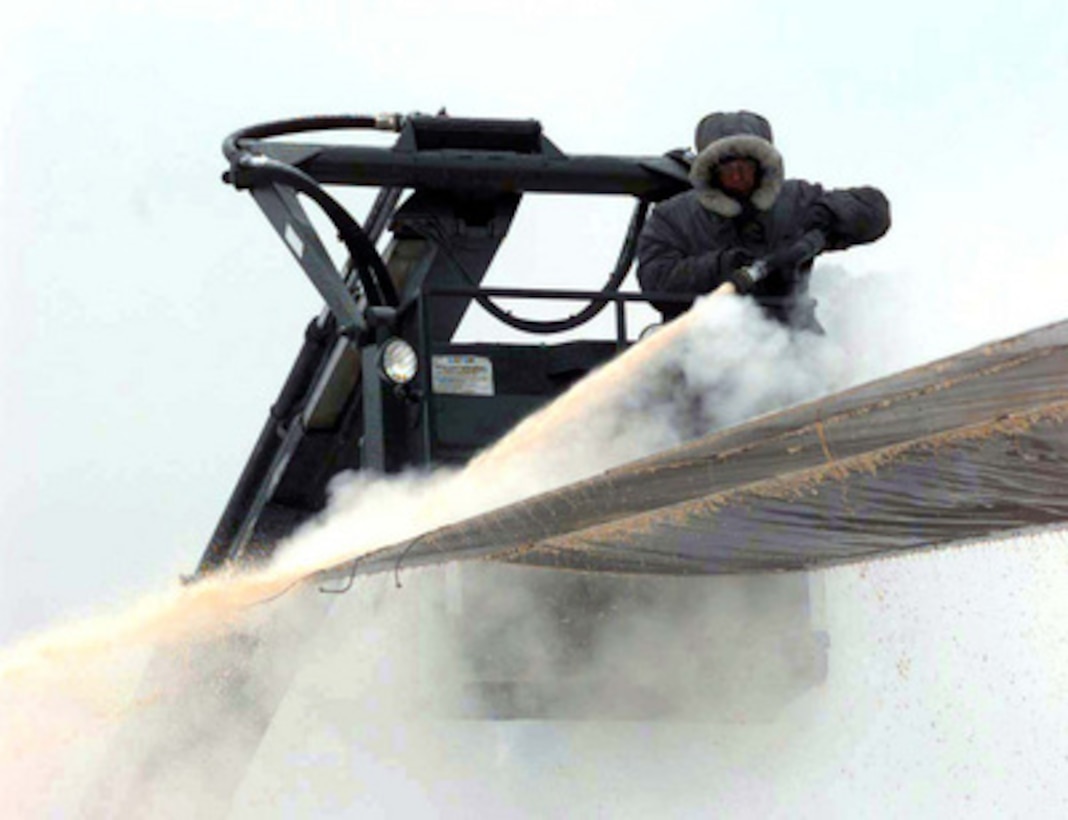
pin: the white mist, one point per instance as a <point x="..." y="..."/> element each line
<point x="941" y="695"/>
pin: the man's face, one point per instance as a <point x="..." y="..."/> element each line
<point x="737" y="177"/>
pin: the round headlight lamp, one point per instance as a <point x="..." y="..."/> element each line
<point x="398" y="361"/>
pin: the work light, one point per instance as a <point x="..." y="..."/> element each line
<point x="398" y="361"/>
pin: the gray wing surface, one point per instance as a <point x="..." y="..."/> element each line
<point x="964" y="447"/>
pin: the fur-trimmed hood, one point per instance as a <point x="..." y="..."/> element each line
<point x="733" y="135"/>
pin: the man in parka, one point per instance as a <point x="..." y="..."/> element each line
<point x="744" y="223"/>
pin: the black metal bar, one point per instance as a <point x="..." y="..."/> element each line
<point x="529" y="293"/>
<point x="584" y="295"/>
<point x="256" y="172"/>
<point x="381" y="212"/>
<point x="290" y="441"/>
<point x="373" y="447"/>
<point x="651" y="178"/>
<point x="595" y="306"/>
<point x="283" y="411"/>
<point x="288" y="218"/>
<point x="429" y="409"/>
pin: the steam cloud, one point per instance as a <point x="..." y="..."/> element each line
<point x="719" y="364"/>
<point x="224" y="699"/>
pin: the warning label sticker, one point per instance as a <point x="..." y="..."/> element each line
<point x="462" y="375"/>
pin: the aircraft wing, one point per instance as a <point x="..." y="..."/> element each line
<point x="965" y="447"/>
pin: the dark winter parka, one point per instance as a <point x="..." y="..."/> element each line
<point x="691" y="243"/>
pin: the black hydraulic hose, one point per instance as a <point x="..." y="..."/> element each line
<point x="547" y="326"/>
<point x="278" y="128"/>
<point x="386" y="201"/>
<point x="382" y="211"/>
<point x="250" y="170"/>
<point x="626" y="257"/>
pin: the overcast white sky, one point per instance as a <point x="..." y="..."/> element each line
<point x="148" y="314"/>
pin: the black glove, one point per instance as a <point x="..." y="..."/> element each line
<point x="733" y="266"/>
<point x="744" y="278"/>
<point x="732" y="259"/>
<point x="786" y="260"/>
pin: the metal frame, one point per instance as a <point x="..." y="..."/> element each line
<point x="457" y="169"/>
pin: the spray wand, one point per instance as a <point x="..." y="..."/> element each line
<point x="805" y="249"/>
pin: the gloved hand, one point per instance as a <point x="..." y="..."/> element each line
<point x="732" y="259"/>
<point x="746" y="277"/>
<point x="785" y="261"/>
<point x="734" y="264"/>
